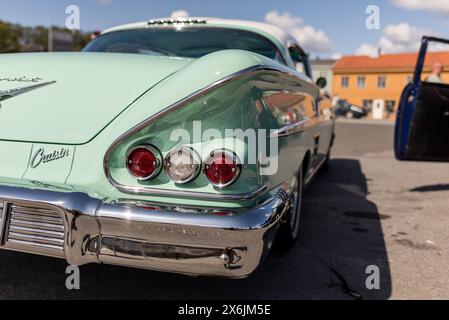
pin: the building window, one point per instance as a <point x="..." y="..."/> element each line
<point x="390" y="105"/>
<point x="381" y="82"/>
<point x="368" y="104"/>
<point x="344" y="82"/>
<point x="361" y="82"/>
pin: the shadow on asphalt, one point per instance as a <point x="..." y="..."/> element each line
<point x="432" y="188"/>
<point x="341" y="235"/>
<point x="343" y="230"/>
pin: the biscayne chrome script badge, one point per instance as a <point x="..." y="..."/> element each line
<point x="8" y="94"/>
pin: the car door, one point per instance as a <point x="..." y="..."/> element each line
<point x="321" y="114"/>
<point x="422" y="125"/>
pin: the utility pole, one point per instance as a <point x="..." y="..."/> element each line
<point x="50" y="38"/>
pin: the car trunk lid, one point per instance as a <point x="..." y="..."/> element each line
<point x="68" y="98"/>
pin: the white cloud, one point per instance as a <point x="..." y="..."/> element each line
<point x="439" y="6"/>
<point x="401" y="37"/>
<point x="312" y="39"/>
<point x="308" y="37"/>
<point x="438" y="46"/>
<point x="284" y="21"/>
<point x="179" y="14"/>
<point x="336" y="56"/>
<point x="367" y="50"/>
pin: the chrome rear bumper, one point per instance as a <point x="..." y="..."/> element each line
<point x="189" y="241"/>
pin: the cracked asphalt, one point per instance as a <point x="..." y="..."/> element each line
<point x="368" y="209"/>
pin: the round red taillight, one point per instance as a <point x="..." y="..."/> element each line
<point x="222" y="168"/>
<point x="144" y="162"/>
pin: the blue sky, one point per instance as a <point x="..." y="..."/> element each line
<point x="337" y="26"/>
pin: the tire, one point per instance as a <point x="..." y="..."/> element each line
<point x="325" y="166"/>
<point x="288" y="233"/>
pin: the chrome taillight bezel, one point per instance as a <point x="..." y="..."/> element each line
<point x="236" y="160"/>
<point x="156" y="153"/>
<point x="196" y="162"/>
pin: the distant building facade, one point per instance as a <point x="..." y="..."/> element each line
<point x="60" y="40"/>
<point x="361" y="80"/>
<point x="322" y="68"/>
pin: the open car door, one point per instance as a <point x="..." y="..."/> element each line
<point x="422" y="125"/>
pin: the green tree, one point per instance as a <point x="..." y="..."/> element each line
<point x="81" y="40"/>
<point x="9" y="37"/>
<point x="39" y="38"/>
<point x="16" y="38"/>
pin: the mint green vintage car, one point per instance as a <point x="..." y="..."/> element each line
<point x="174" y="145"/>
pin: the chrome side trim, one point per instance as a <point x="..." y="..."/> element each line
<point x="290" y="129"/>
<point x="3" y="217"/>
<point x="11" y="93"/>
<point x="192" y="194"/>
<point x="175" y="107"/>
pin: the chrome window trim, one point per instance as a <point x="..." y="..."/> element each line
<point x="146" y="191"/>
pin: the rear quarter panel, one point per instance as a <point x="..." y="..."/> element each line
<point x="87" y="172"/>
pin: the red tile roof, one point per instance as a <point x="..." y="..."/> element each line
<point x="389" y="61"/>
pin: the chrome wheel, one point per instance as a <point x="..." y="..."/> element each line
<point x="295" y="210"/>
<point x="289" y="231"/>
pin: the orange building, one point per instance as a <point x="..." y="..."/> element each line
<point x="362" y="79"/>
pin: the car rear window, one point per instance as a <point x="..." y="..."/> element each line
<point x="183" y="42"/>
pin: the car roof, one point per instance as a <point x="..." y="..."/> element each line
<point x="282" y="37"/>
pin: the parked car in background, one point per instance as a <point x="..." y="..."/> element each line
<point x="422" y="126"/>
<point x="105" y="168"/>
<point x="345" y="109"/>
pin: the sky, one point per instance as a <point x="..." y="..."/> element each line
<point x="326" y="28"/>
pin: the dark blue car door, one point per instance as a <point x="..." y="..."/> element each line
<point x="422" y="125"/>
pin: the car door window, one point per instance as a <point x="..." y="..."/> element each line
<point x="422" y="129"/>
<point x="299" y="59"/>
<point x="436" y="64"/>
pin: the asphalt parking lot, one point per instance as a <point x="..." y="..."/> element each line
<point x="368" y="209"/>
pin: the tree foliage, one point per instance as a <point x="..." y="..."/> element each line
<point x="9" y="37"/>
<point x="16" y="38"/>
